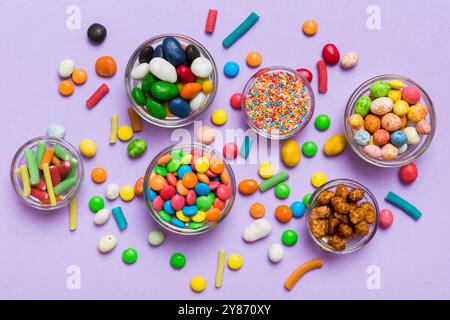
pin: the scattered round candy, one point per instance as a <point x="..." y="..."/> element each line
<point x="282" y="190"/>
<point x="107" y="243"/>
<point x="66" y="67"/>
<point x="178" y="260"/>
<point x="198" y="284"/>
<point x="56" y="130"/>
<point x="79" y="76"/>
<point x="298" y="209"/>
<point x="96" y="32"/>
<point x="306" y="198"/>
<point x="283" y="213"/>
<point x="235" y="261"/>
<point x="129" y="256"/>
<point x="102" y="216"/>
<point x="322" y="122"/>
<point x="125" y="133"/>
<point x="106" y="66"/>
<point x="266" y="170"/>
<point x="254" y="59"/>
<point x="248" y="186"/>
<point x="386" y="218"/>
<point x="318" y="179"/>
<point x="206" y="135"/>
<point x="310" y="27"/>
<point x="126" y="193"/>
<point x="66" y="88"/>
<point x="257" y="210"/>
<point x="96" y="203"/>
<point x="289" y="237"/>
<point x="330" y="54"/>
<point x="155" y="238"/>
<point x="309" y="149"/>
<point x="88" y="148"/>
<point x="276" y="253"/>
<point x="219" y="117"/>
<point x="409" y="173"/>
<point x="207" y="87"/>
<point x="349" y="60"/>
<point x="306" y="73"/>
<point x="112" y="191"/>
<point x="98" y="175"/>
<point x="231" y="69"/>
<point x="236" y="100"/>
<point x="136" y="148"/>
<point x="230" y="150"/>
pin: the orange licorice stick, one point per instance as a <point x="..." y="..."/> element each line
<point x="135" y="120"/>
<point x="46" y="157"/>
<point x="300" y="271"/>
<point x="56" y="161"/>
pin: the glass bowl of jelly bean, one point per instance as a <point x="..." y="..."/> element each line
<point x="389" y="120"/>
<point x="190" y="188"/>
<point x="278" y="102"/>
<point x="171" y="80"/>
<point x="46" y="172"/>
<point x="342" y="216"/>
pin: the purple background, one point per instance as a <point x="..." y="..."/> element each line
<point x="36" y="249"/>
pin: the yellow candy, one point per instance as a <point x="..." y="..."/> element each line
<point x="395" y="95"/>
<point x="290" y="153"/>
<point x="187" y="159"/>
<point x="219" y="117"/>
<point x="207" y="87"/>
<point x="198" y="284"/>
<point x="200" y="216"/>
<point x="417" y="112"/>
<point x="356" y="121"/>
<point x="318" y="179"/>
<point x="235" y="262"/>
<point x="125" y="133"/>
<point x="266" y="170"/>
<point x="201" y="165"/>
<point x="88" y="148"/>
<point x="335" y="145"/>
<point x="401" y="108"/>
<point x="180" y="215"/>
<point x="166" y="105"/>
<point x="201" y="80"/>
<point x="396" y="84"/>
<point x="126" y="193"/>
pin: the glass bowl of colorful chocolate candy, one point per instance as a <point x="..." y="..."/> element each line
<point x="46" y="172"/>
<point x="190" y="188"/>
<point x="342" y="216"/>
<point x="171" y="80"/>
<point x="389" y="120"/>
<point x="277" y="102"/>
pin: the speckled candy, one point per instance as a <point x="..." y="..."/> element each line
<point x="381" y="137"/>
<point x="389" y="151"/>
<point x="401" y="108"/>
<point x="391" y="122"/>
<point x="381" y="106"/>
<point x="379" y="89"/>
<point x="411" y="94"/>
<point x="423" y="126"/>
<point x="372" y="123"/>
<point x="399" y="138"/>
<point x="362" y="106"/>
<point x="417" y="112"/>
<point x="356" y="121"/>
<point x="362" y="137"/>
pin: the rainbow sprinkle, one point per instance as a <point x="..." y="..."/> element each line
<point x="277" y="102"/>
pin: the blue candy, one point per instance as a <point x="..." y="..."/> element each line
<point x="190" y="210"/>
<point x="362" y="137"/>
<point x="183" y="170"/>
<point x="168" y="207"/>
<point x="202" y="189"/>
<point x="120" y="218"/>
<point x="177" y="223"/>
<point x="298" y="209"/>
<point x="179" y="107"/>
<point x="151" y="194"/>
<point x="158" y="53"/>
<point x="231" y="69"/>
<point x="399" y="138"/>
<point x="173" y="51"/>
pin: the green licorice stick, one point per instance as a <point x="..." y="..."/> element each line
<point x="65" y="185"/>
<point x="401" y="203"/>
<point x="273" y="181"/>
<point x="61" y="152"/>
<point x="40" y="149"/>
<point x="72" y="170"/>
<point x="32" y="167"/>
<point x="246" y="25"/>
<point x="246" y="145"/>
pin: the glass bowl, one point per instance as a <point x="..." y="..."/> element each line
<point x="187" y="148"/>
<point x="305" y="118"/>
<point x="413" y="151"/>
<point x="170" y="121"/>
<point x="357" y="242"/>
<point x="19" y="159"/>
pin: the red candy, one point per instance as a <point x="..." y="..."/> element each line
<point x="211" y="21"/>
<point x="158" y="203"/>
<point x="322" y="76"/>
<point x="185" y="74"/>
<point x="306" y="73"/>
<point x="171" y="179"/>
<point x="214" y="184"/>
<point x="177" y="202"/>
<point x="210" y="174"/>
<point x="411" y="94"/>
<point x="191" y="197"/>
<point x="167" y="192"/>
<point x="386" y="218"/>
<point x="220" y="204"/>
<point x="40" y="194"/>
<point x="230" y="150"/>
<point x="223" y="192"/>
<point x="64" y="167"/>
<point x="409" y="173"/>
<point x="54" y="173"/>
<point x="331" y="54"/>
<point x="41" y="185"/>
<point x="236" y="100"/>
<point x="97" y="96"/>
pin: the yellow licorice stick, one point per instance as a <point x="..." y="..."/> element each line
<point x="49" y="183"/>
<point x="114" y="129"/>
<point x="220" y="268"/>
<point x="73" y="214"/>
<point x="25" y="180"/>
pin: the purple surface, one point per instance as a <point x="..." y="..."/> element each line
<point x="36" y="250"/>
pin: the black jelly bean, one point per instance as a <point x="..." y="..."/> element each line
<point x="146" y="54"/>
<point x="192" y="53"/>
<point x="96" y="32"/>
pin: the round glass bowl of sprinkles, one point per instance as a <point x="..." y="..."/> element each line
<point x="278" y="102"/>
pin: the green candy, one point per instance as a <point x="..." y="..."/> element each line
<point x="204" y="203"/>
<point x="379" y="89"/>
<point x="156" y="109"/>
<point x="65" y="185"/>
<point x="282" y="190"/>
<point x="137" y="147"/>
<point x="306" y="199"/>
<point x="129" y="256"/>
<point x="164" y="90"/>
<point x="322" y="122"/>
<point x="212" y="196"/>
<point x="139" y="96"/>
<point x="178" y="260"/>
<point x="289" y="237"/>
<point x="362" y="106"/>
<point x="309" y="149"/>
<point x="96" y="203"/>
<point x="147" y="82"/>
<point x="61" y="152"/>
<point x="40" y="149"/>
<point x="177" y="154"/>
<point x="195" y="225"/>
<point x="173" y="165"/>
<point x="160" y="170"/>
<point x="72" y="170"/>
<point x="32" y="166"/>
<point x="165" y="216"/>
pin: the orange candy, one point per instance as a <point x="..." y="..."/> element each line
<point x="106" y="66"/>
<point x="257" y="210"/>
<point x="224" y="177"/>
<point x="203" y="178"/>
<point x="66" y="88"/>
<point x="139" y="187"/>
<point x="99" y="175"/>
<point x="217" y="166"/>
<point x="165" y="159"/>
<point x="213" y="214"/>
<point x="190" y="180"/>
<point x="283" y="213"/>
<point x="79" y="76"/>
<point x="157" y="182"/>
<point x="190" y="90"/>
<point x="181" y="189"/>
<point x="254" y="59"/>
<point x="248" y="186"/>
<point x="310" y="27"/>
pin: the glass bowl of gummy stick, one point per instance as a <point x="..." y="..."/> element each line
<point x="278" y="102"/>
<point x="171" y="80"/>
<point x="46" y="172"/>
<point x="190" y="188"/>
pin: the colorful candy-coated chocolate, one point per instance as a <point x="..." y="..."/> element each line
<point x="230" y="150"/>
<point x="236" y="100"/>
<point x="386" y="218"/>
<point x="408" y="173"/>
<point x="248" y="186"/>
<point x="306" y="73"/>
<point x="330" y="54"/>
<point x="283" y="213"/>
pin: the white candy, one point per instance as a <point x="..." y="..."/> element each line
<point x="198" y="101"/>
<point x="201" y="67"/>
<point x="276" y="253"/>
<point x="112" y="191"/>
<point x="403" y="148"/>
<point x="66" y="68"/>
<point x="156" y="238"/>
<point x="349" y="60"/>
<point x="140" y="71"/>
<point x="56" y="131"/>
<point x="163" y="70"/>
<point x="257" y="230"/>
<point x="107" y="243"/>
<point x="381" y="106"/>
<point x="413" y="135"/>
<point x="101" y="217"/>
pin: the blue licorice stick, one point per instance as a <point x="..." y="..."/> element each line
<point x="401" y="203"/>
<point x="120" y="218"/>
<point x="246" y="25"/>
<point x="246" y="145"/>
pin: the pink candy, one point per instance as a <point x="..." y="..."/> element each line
<point x="191" y="197"/>
<point x="386" y="218"/>
<point x="223" y="192"/>
<point x="158" y="203"/>
<point x="177" y="202"/>
<point x="214" y="184"/>
<point x="167" y="192"/>
<point x="411" y="94"/>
